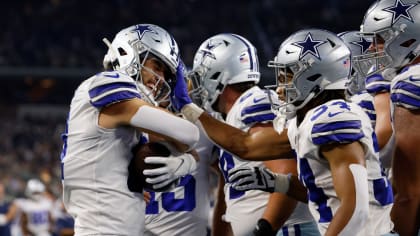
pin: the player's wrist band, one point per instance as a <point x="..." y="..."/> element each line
<point x="192" y="112"/>
<point x="282" y="182"/>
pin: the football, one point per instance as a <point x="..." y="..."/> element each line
<point x="137" y="165"/>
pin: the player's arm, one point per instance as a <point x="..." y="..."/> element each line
<point x="9" y="215"/>
<point x="383" y="127"/>
<point x="350" y="183"/>
<point x="280" y="206"/>
<point x="219" y="226"/>
<point x="150" y="119"/>
<point x="254" y="145"/>
<point x="24" y="224"/>
<point x="379" y="88"/>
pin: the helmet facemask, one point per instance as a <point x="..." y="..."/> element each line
<point x="376" y="59"/>
<point x="286" y="77"/>
<point x="155" y="93"/>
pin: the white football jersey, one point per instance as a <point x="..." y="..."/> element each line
<point x="184" y="210"/>
<point x="38" y="213"/>
<point x="95" y="160"/>
<point x="365" y="101"/>
<point x="338" y="121"/>
<point x="243" y="209"/>
<point x="405" y="88"/>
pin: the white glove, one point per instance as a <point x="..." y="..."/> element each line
<point x="258" y="178"/>
<point x="3" y="219"/>
<point x="174" y="168"/>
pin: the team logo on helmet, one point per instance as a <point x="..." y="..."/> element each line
<point x="142" y="29"/>
<point x="363" y="44"/>
<point x="309" y="46"/>
<point x="400" y="10"/>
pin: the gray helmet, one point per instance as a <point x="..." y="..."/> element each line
<point x="131" y="47"/>
<point x="358" y="45"/>
<point x="221" y="60"/>
<point x="314" y="60"/>
<point x="397" y="23"/>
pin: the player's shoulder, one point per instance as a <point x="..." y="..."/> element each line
<point x="377" y="84"/>
<point x="411" y="74"/>
<point x="110" y="77"/>
<point x="256" y="95"/>
<point x="335" y="121"/>
<point x="110" y="87"/>
<point x="255" y="105"/>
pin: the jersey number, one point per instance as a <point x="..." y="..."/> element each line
<point x="172" y="204"/>
<point x="226" y="163"/>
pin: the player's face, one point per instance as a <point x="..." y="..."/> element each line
<point x="153" y="74"/>
<point x="284" y="80"/>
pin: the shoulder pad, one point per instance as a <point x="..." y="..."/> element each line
<point x="111" y="87"/>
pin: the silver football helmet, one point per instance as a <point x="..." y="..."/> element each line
<point x="309" y="62"/>
<point x="395" y="24"/>
<point x="222" y="60"/>
<point x="358" y="45"/>
<point x="130" y="49"/>
<point x="34" y="189"/>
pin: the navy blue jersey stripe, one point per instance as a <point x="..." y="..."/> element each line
<point x="255" y="108"/>
<point x="374" y="78"/>
<point x="411" y="88"/>
<point x="332" y="126"/>
<point x="382" y="191"/>
<point x="337" y="138"/>
<point x="115" y="97"/>
<point x="401" y="99"/>
<point x="259" y="118"/>
<point x="316" y="194"/>
<point x="367" y="104"/>
<point x="94" y="92"/>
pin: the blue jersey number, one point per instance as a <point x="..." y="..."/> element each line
<point x="172" y="204"/>
<point x="226" y="163"/>
<point x="322" y="109"/>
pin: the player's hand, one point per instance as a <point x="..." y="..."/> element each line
<point x="246" y="178"/>
<point x="179" y="94"/>
<point x="263" y="228"/>
<point x="173" y="168"/>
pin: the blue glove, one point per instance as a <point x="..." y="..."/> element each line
<point x="179" y="94"/>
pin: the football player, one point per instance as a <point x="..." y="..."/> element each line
<point x="35" y="218"/>
<point x="107" y="115"/>
<point x="226" y="73"/>
<point x="8" y="211"/>
<point x="184" y="209"/>
<point x="376" y="97"/>
<point x="333" y="139"/>
<point x="394" y="26"/>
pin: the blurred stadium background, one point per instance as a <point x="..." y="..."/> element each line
<point x="48" y="47"/>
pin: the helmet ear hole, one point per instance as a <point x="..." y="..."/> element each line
<point x="215" y="76"/>
<point x="408" y="43"/>
<point x="314" y="77"/>
<point x="122" y="52"/>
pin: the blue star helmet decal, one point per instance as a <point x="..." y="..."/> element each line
<point x="363" y="44"/>
<point x="400" y="10"/>
<point x="309" y="46"/>
<point x="142" y="29"/>
<point x="208" y="52"/>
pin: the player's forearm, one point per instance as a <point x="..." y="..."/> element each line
<point x="278" y="210"/>
<point x="297" y="190"/>
<point x="219" y="226"/>
<point x="266" y="144"/>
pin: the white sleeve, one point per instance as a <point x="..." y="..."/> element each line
<point x="164" y="123"/>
